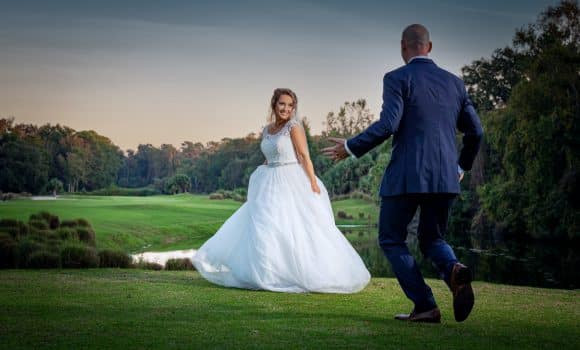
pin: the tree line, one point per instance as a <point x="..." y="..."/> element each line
<point x="57" y="158"/>
<point x="46" y="158"/>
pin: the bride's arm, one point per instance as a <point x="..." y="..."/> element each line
<point x="300" y="145"/>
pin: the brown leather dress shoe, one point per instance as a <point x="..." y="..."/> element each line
<point x="431" y="316"/>
<point x="463" y="298"/>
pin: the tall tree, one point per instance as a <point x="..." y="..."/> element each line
<point x="351" y="119"/>
<point x="535" y="137"/>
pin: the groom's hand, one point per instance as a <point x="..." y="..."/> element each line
<point x="336" y="152"/>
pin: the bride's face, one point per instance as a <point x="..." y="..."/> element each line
<point x="284" y="107"/>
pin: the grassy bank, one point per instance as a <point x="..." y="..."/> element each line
<point x="128" y="309"/>
<point x="152" y="223"/>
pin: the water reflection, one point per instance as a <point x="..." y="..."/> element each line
<point x="537" y="264"/>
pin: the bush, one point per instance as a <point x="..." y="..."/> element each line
<point x="69" y="223"/>
<point x="8" y="251"/>
<point x="67" y="234"/>
<point x="216" y="196"/>
<point x="38" y="224"/>
<point x="86" y="235"/>
<point x="26" y="248"/>
<point x="83" y="222"/>
<point x="238" y="198"/>
<point x="52" y="221"/>
<point x="10" y="231"/>
<point x="114" y="258"/>
<point x="341" y="214"/>
<point x="179" y="264"/>
<point x="42" y="235"/>
<point x="241" y="191"/>
<point x="146" y="265"/>
<point x="240" y="195"/>
<point x="77" y="256"/>
<point x="44" y="259"/>
<point x="9" y="223"/>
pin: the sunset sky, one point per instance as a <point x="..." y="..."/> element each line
<point x="146" y="71"/>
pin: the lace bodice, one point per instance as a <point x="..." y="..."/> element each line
<point x="277" y="147"/>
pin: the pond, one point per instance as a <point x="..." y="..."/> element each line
<point x="538" y="265"/>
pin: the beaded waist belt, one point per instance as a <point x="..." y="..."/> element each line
<point x="276" y="164"/>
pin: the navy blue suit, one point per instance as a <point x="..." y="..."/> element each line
<point x="423" y="107"/>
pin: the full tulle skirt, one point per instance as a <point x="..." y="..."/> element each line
<point x="284" y="239"/>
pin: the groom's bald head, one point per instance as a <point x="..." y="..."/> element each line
<point x="415" y="42"/>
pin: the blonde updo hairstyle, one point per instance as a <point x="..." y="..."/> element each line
<point x="276" y="96"/>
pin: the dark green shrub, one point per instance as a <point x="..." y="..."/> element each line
<point x="25" y="250"/>
<point x="179" y="264"/>
<point x="53" y="242"/>
<point x="42" y="235"/>
<point x="45" y="216"/>
<point x="16" y="228"/>
<point x="8" y="251"/>
<point x="12" y="231"/>
<point x="86" y="235"/>
<point x="36" y="216"/>
<point x="9" y="223"/>
<point x="23" y="230"/>
<point x="114" y="258"/>
<point x="54" y="222"/>
<point x="83" y="222"/>
<point x="69" y="223"/>
<point x="67" y="234"/>
<point x="341" y="215"/>
<point x="77" y="256"/>
<point x="38" y="224"/>
<point x="146" y="265"/>
<point x="44" y="259"/>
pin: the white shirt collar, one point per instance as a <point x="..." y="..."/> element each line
<point x="412" y="58"/>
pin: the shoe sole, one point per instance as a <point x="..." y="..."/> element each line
<point x="464" y="300"/>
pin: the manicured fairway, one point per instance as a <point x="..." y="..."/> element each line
<point x="137" y="224"/>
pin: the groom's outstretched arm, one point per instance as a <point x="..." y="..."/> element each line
<point x="388" y="123"/>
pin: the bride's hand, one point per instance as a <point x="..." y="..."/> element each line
<point x="314" y="186"/>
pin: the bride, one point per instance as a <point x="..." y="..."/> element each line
<point x="283" y="238"/>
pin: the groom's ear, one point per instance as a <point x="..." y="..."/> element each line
<point x="430" y="47"/>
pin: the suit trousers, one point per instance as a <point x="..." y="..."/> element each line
<point x="395" y="215"/>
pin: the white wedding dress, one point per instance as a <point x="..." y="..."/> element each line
<point x="283" y="238"/>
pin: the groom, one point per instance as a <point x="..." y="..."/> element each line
<point x="423" y="105"/>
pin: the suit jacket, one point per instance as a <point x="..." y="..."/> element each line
<point x="423" y="105"/>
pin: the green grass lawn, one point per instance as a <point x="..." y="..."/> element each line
<point x="157" y="223"/>
<point x="138" y="309"/>
<point x="128" y="309"/>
